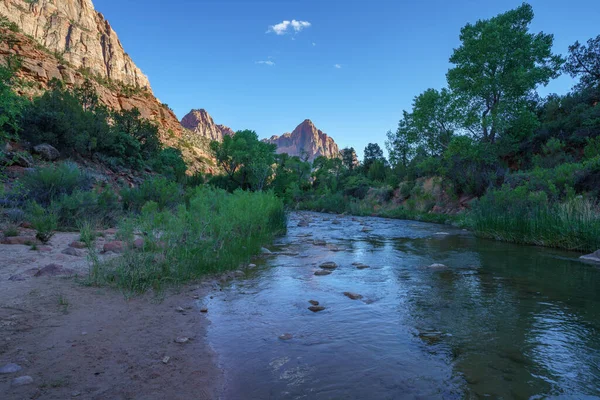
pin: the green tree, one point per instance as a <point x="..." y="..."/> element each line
<point x="372" y="153"/>
<point x="584" y="62"/>
<point x="401" y="145"/>
<point x="434" y="119"/>
<point x="11" y="106"/>
<point x="498" y="64"/>
<point x="349" y="158"/>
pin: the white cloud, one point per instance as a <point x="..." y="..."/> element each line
<point x="287" y="26"/>
<point x="267" y="62"/>
<point x="337" y="66"/>
<point x="314" y="44"/>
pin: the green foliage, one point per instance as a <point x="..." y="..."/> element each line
<point x="246" y="160"/>
<point x="584" y="62"/>
<point x="169" y="162"/>
<point x="44" y="221"/>
<point x="98" y="208"/>
<point x="491" y="78"/>
<point x="46" y="184"/>
<point x="165" y="193"/>
<point x="11" y="105"/>
<point x="216" y="232"/>
<point x="522" y="216"/>
<point x="11" y="231"/>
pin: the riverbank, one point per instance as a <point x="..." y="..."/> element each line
<point x="88" y="342"/>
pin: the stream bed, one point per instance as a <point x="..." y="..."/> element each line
<point x="496" y="320"/>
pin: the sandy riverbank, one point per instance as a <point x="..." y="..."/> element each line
<point x="85" y="342"/>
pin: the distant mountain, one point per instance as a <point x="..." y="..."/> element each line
<point x="306" y="140"/>
<point x="201" y="123"/>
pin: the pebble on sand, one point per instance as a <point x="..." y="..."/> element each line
<point x="10" y="368"/>
<point x="22" y="380"/>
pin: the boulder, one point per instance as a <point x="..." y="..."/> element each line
<point x="70" y="251"/>
<point x="78" y="245"/>
<point x="114" y="246"/>
<point x="53" y="270"/>
<point x="594" y="257"/>
<point x="46" y="152"/>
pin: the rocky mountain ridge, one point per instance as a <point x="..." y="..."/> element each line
<point x="306" y="141"/>
<point x="201" y="123"/>
<point x="75" y="31"/>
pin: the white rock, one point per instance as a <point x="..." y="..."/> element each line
<point x="10" y="368"/>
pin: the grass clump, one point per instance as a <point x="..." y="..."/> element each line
<point x="160" y="190"/>
<point x="44" y="221"/>
<point x="215" y="232"/>
<point x="524" y="217"/>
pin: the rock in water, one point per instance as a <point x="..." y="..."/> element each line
<point x="316" y="308"/>
<point x="353" y="296"/>
<point x="322" y="272"/>
<point x="286" y="336"/>
<point x="361" y="266"/>
<point x="437" y="266"/>
<point x="264" y="250"/>
<point x="22" y="381"/>
<point x="314" y="302"/>
<point x="594" y="257"/>
<point x="328" y="265"/>
<point x="10" y="368"/>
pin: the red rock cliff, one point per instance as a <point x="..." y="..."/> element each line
<point x="306" y="140"/>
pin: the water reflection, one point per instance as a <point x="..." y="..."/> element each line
<point x="500" y="321"/>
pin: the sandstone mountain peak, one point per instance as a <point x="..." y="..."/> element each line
<point x="306" y="140"/>
<point x="201" y="123"/>
<point x="78" y="33"/>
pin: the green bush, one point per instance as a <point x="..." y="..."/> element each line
<point x="45" y="184"/>
<point x="44" y="221"/>
<point x="165" y="193"/>
<point x="98" y="208"/>
<point x="217" y="231"/>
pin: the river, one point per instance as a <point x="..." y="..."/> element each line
<point x="498" y="321"/>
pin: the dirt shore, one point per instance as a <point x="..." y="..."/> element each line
<point x="82" y="342"/>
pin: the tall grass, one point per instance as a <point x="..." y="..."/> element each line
<point x="215" y="232"/>
<point x="572" y="225"/>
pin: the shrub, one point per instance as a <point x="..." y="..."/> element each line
<point x="43" y="221"/>
<point x="215" y="232"/>
<point x="165" y="193"/>
<point x="98" y="208"/>
<point x="45" y="184"/>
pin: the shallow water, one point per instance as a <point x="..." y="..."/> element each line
<point x="501" y="321"/>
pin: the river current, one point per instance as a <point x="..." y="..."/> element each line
<point x="497" y="320"/>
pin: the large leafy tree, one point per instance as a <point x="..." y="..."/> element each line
<point x="584" y="62"/>
<point x="349" y="158"/>
<point x="434" y="119"/>
<point x="498" y="64"/>
<point x="246" y="160"/>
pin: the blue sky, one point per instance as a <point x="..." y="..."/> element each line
<point x="352" y="71"/>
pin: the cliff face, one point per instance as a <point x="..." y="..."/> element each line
<point x="79" y="34"/>
<point x="306" y="140"/>
<point x="202" y="124"/>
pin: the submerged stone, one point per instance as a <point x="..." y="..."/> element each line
<point x="314" y="302"/>
<point x="328" y="265"/>
<point x="316" y="308"/>
<point x="322" y="272"/>
<point x="353" y="296"/>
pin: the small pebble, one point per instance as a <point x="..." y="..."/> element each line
<point x="314" y="302"/>
<point x="166" y="359"/>
<point x="10" y="368"/>
<point x="180" y="309"/>
<point x="22" y="380"/>
<point x="204" y="310"/>
<point x="286" y="336"/>
<point x="316" y="308"/>
<point x="182" y="340"/>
